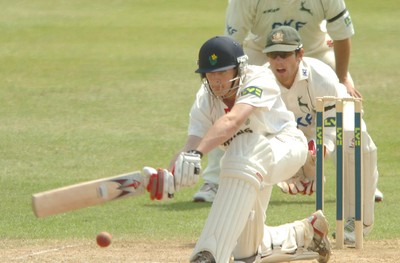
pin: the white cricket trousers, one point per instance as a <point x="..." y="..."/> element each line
<point x="250" y="167"/>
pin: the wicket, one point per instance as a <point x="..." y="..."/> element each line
<point x="320" y="123"/>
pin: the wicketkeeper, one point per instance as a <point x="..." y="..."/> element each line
<point x="301" y="81"/>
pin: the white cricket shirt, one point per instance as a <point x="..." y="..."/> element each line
<point x="259" y="89"/>
<point x="314" y="79"/>
<point x="313" y="19"/>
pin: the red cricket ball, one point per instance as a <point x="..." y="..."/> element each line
<point x="103" y="239"/>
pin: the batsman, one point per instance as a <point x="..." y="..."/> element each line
<point x="239" y="108"/>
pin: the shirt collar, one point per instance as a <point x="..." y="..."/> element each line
<point x="303" y="73"/>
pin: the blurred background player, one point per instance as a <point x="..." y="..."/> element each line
<point x="326" y="29"/>
<point x="301" y="81"/>
<point x="239" y="108"/>
<point x="324" y="25"/>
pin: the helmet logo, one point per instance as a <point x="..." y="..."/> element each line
<point x="213" y="59"/>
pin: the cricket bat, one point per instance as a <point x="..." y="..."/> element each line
<point x="88" y="193"/>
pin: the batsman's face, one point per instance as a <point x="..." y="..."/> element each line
<point x="284" y="65"/>
<point x="221" y="82"/>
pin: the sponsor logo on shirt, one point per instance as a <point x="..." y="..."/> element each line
<point x="247" y="130"/>
<point x="304" y="106"/>
<point x="295" y="24"/>
<point x="272" y="10"/>
<point x="347" y="21"/>
<point x="252" y="90"/>
<point x="304" y="121"/>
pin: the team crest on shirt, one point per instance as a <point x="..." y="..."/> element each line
<point x="213" y="59"/>
<point x="252" y="90"/>
<point x="304" y="8"/>
<point x="303" y="105"/>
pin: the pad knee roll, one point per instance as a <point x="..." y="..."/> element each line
<point x="269" y="160"/>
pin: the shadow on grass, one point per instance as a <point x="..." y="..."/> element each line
<point x="298" y="202"/>
<point x="189" y="205"/>
<point x="180" y="205"/>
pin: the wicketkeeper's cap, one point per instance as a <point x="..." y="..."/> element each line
<point x="219" y="53"/>
<point x="283" y="39"/>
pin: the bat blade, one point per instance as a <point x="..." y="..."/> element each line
<point x="88" y="193"/>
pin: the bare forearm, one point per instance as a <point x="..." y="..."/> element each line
<point x="342" y="58"/>
<point x="191" y="143"/>
<point x="220" y="132"/>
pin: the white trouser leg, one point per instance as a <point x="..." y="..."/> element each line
<point x="369" y="175"/>
<point x="369" y="168"/>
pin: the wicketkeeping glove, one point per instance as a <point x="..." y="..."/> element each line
<point x="309" y="168"/>
<point x="295" y="185"/>
<point x="303" y="182"/>
<point x="187" y="169"/>
<point x="160" y="183"/>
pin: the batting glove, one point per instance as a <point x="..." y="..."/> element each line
<point x="187" y="169"/>
<point x="160" y="183"/>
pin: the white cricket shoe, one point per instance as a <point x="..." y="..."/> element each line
<point x="206" y="193"/>
<point x="378" y="195"/>
<point x="320" y="242"/>
<point x="203" y="257"/>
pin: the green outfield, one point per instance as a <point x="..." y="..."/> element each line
<point x="91" y="89"/>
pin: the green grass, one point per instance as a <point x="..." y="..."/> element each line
<point x="91" y="89"/>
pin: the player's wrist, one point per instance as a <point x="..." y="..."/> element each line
<point x="196" y="152"/>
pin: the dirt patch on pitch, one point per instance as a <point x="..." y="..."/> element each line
<point x="158" y="251"/>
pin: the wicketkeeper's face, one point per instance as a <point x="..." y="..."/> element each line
<point x="284" y="65"/>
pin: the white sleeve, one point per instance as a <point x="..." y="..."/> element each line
<point x="259" y="91"/>
<point x="199" y="117"/>
<point x="339" y="24"/>
<point x="240" y="17"/>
